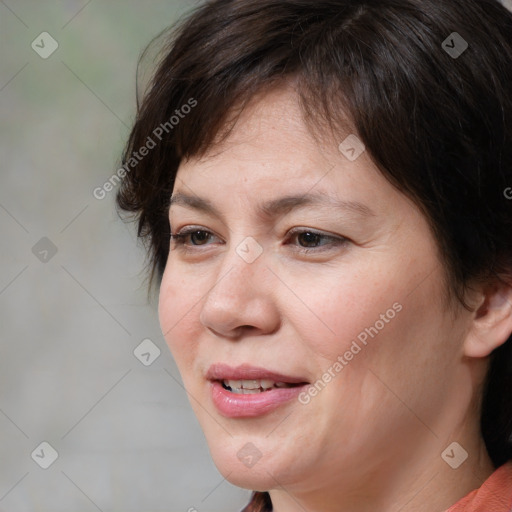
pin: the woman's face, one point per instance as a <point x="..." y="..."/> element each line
<point x="334" y="289"/>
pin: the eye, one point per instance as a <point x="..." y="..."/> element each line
<point x="306" y="240"/>
<point x="309" y="239"/>
<point x="313" y="241"/>
<point x="196" y="237"/>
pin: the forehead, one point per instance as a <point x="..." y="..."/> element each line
<point x="269" y="138"/>
<point x="272" y="122"/>
<point x="271" y="156"/>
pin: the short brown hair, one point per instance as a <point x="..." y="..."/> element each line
<point x="437" y="123"/>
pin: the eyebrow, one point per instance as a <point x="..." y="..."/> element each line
<point x="277" y="207"/>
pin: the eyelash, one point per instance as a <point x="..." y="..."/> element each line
<point x="180" y="239"/>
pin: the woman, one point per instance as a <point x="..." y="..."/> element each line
<point x="322" y="187"/>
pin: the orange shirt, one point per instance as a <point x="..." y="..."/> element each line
<point x="495" y="494"/>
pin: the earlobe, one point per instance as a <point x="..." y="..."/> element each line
<point x="492" y="321"/>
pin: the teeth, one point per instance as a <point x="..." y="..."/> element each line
<point x="249" y="391"/>
<point x="266" y="383"/>
<point x="250" y="384"/>
<point x="249" y="387"/>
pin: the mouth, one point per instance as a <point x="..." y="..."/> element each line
<point x="251" y="387"/>
<point x="246" y="391"/>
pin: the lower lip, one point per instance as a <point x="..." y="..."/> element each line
<point x="236" y="405"/>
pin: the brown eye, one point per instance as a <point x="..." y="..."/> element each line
<point x="193" y="237"/>
<point x="309" y="239"/>
<point x="199" y="237"/>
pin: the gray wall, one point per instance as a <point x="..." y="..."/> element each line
<point x="124" y="433"/>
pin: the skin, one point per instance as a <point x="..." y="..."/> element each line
<point x="372" y="438"/>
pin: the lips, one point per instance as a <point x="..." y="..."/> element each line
<point x="222" y="372"/>
<point x="249" y="391"/>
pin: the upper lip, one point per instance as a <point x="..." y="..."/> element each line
<point x="221" y="371"/>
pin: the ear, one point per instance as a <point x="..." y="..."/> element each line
<point x="492" y="320"/>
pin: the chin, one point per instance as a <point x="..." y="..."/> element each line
<point x="261" y="483"/>
<point x="245" y="466"/>
<point x="253" y="479"/>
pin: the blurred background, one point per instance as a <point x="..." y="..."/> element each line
<point x="93" y="416"/>
<point x="73" y="302"/>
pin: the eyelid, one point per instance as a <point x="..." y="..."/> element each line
<point x="294" y="231"/>
<point x="190" y="230"/>
<point x="325" y="234"/>
<point x="334" y="241"/>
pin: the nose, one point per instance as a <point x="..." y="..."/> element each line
<point x="241" y="300"/>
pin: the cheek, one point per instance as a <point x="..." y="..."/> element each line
<point x="401" y="343"/>
<point x="177" y="309"/>
<point x="385" y="318"/>
<point x="335" y="308"/>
